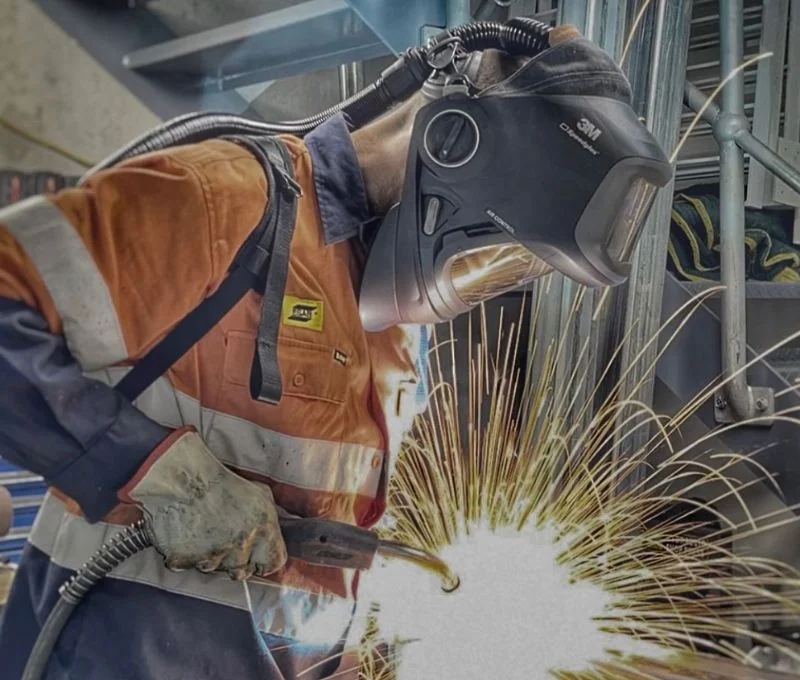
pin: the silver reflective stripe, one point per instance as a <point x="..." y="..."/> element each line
<point x="311" y="464"/>
<point x="70" y="541"/>
<point x="79" y="292"/>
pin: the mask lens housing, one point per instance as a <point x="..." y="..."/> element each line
<point x="624" y="232"/>
<point x="482" y="273"/>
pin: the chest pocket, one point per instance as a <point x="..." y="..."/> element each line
<point x="307" y="369"/>
<point x="315" y="387"/>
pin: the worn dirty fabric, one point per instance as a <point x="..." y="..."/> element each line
<point x="90" y="279"/>
<point x="200" y="513"/>
<point x="694" y="244"/>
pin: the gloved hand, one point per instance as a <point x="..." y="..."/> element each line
<point x="203" y="515"/>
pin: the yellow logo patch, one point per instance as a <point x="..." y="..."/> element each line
<point x="303" y="313"/>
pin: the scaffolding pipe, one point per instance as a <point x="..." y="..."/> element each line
<point x="770" y="160"/>
<point x="728" y="126"/>
<point x="745" y="139"/>
<point x="738" y="400"/>
<point x="351" y="79"/>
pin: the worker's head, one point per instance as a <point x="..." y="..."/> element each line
<point x="502" y="169"/>
<point x="382" y="145"/>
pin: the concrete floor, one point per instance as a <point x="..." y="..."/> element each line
<point x="52" y="88"/>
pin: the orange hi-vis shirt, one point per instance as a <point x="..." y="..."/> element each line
<point x="118" y="262"/>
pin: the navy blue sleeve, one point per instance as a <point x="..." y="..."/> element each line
<point x="79" y="434"/>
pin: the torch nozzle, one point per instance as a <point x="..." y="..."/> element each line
<point x="422" y="558"/>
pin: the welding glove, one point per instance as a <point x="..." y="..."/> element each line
<point x="200" y="514"/>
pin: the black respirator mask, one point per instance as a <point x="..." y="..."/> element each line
<point x="549" y="170"/>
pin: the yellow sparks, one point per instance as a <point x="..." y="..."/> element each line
<point x="563" y="574"/>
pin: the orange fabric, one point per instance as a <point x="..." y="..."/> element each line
<point x="19" y="280"/>
<point x="320" y="394"/>
<point x="337" y="506"/>
<point x="163" y="229"/>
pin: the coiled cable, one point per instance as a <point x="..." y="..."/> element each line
<point x="125" y="544"/>
<point x="520" y="36"/>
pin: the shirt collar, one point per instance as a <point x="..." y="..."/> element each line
<point x="341" y="194"/>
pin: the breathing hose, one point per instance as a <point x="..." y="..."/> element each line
<point x="520" y="36"/>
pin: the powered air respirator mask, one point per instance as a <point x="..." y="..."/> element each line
<point x="547" y="170"/>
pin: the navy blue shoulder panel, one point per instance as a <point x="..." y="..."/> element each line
<point x="79" y="434"/>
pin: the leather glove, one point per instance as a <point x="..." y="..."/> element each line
<point x="200" y="514"/>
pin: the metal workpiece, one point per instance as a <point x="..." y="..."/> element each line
<point x="422" y="558"/>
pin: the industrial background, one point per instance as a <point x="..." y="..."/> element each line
<point x="88" y="76"/>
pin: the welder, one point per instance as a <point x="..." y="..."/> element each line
<point x="220" y="327"/>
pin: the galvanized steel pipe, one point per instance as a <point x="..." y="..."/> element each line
<point x="751" y="145"/>
<point x="729" y="124"/>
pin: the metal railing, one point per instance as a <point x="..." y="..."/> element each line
<point x="737" y="400"/>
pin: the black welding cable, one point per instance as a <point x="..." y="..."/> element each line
<point x="46" y="642"/>
<point x="519" y="36"/>
<point x="127" y="543"/>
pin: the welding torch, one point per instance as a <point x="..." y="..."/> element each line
<point x="314" y="541"/>
<point x="334" y="544"/>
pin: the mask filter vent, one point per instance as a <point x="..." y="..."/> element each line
<point x="452" y="138"/>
